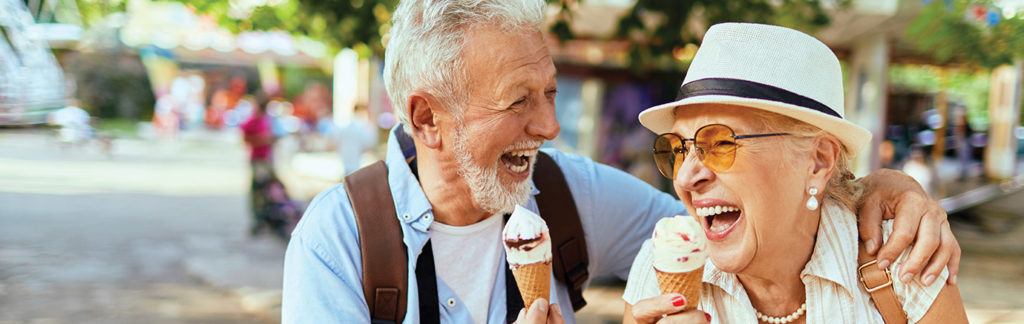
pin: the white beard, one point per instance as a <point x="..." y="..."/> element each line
<point x="486" y="188"/>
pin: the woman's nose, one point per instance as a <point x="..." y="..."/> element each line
<point x="692" y="174"/>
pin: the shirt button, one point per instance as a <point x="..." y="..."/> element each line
<point x="451" y="302"/>
<point x="405" y="216"/>
<point x="427" y="217"/>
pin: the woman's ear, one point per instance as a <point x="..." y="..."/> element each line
<point x="826" y="155"/>
<point x="423" y="109"/>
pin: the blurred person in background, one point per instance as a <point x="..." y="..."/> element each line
<point x="917" y="167"/>
<point x="214" y="117"/>
<point x="961" y="133"/>
<point x="73" y="122"/>
<point x="314" y="100"/>
<point x="313" y="108"/>
<point x="356" y="138"/>
<point x="165" y="117"/>
<point x="259" y="136"/>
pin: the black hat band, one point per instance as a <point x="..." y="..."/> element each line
<point x="752" y="90"/>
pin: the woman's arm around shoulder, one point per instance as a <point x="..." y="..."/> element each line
<point x="928" y="299"/>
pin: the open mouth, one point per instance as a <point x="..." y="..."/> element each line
<point x="719" y="218"/>
<point x="518" y="161"/>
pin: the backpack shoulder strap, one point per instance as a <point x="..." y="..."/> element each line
<point x="878" y="283"/>
<point x="384" y="255"/>
<point x="568" y="245"/>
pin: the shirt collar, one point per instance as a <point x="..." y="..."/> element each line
<point x="831" y="260"/>
<point x="721" y="279"/>
<point x="835" y="250"/>
<point x="410" y="201"/>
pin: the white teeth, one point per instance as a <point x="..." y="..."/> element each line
<point x="719" y="228"/>
<point x="711" y="211"/>
<point x="519" y="168"/>
<point x="525" y="154"/>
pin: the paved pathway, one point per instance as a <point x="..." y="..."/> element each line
<point x="140" y="237"/>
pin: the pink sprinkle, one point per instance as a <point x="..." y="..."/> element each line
<point x="695" y="250"/>
<point x="685" y="237"/>
<point x="684" y="259"/>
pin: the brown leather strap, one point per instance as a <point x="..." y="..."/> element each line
<point x="878" y="283"/>
<point x="568" y="245"/>
<point x="380" y="238"/>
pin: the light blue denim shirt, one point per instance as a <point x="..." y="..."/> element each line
<point x="323" y="267"/>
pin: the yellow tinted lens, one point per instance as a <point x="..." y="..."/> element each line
<point x="716" y="147"/>
<point x="665" y="157"/>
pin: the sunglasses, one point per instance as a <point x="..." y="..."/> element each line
<point x="715" y="143"/>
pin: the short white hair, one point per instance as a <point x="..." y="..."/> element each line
<point x="424" y="51"/>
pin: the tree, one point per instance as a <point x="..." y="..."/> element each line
<point x="361" y="23"/>
<point x="654" y="42"/>
<point x="339" y="23"/>
<point x="948" y="32"/>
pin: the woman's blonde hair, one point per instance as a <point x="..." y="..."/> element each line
<point x="843" y="188"/>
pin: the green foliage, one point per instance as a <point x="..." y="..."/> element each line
<point x="361" y="23"/>
<point x="970" y="86"/>
<point x="338" y="23"/>
<point x="93" y="11"/>
<point x="943" y="32"/>
<point x="651" y="43"/>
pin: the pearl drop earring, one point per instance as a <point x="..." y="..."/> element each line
<point x="812" y="203"/>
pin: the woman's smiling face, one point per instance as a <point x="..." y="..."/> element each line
<point x="753" y="209"/>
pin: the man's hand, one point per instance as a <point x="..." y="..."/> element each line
<point x="892" y="194"/>
<point x="541" y="312"/>
<point x="663" y="309"/>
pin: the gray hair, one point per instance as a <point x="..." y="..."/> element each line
<point x="424" y="51"/>
<point x="842" y="187"/>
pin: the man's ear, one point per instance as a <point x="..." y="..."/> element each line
<point x="423" y="114"/>
<point x="826" y="155"/>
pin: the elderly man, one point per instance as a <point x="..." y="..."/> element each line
<point x="474" y="86"/>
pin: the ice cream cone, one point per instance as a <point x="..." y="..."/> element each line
<point x="686" y="283"/>
<point x="534" y="281"/>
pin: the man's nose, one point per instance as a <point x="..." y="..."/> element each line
<point x="692" y="174"/>
<point x="544" y="122"/>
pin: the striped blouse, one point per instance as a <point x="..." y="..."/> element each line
<point x="834" y="293"/>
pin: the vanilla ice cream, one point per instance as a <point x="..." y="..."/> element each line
<point x="526" y="239"/>
<point x="678" y="245"/>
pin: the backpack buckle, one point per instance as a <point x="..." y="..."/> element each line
<point x="864" y="282"/>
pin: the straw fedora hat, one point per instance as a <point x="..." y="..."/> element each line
<point x="765" y="67"/>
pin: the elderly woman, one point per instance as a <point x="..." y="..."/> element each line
<point x="759" y="152"/>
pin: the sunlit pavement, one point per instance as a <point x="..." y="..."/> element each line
<point x="156" y="233"/>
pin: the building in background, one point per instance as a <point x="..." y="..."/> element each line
<point x="32" y="84"/>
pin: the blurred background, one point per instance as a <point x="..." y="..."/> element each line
<point x="154" y="155"/>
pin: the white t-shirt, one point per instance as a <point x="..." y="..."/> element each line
<point x="467" y="258"/>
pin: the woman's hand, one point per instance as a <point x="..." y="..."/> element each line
<point x="892" y="194"/>
<point x="663" y="309"/>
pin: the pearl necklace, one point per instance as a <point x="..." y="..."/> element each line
<point x="782" y="319"/>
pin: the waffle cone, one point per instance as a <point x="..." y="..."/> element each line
<point x="686" y="283"/>
<point x="534" y="281"/>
